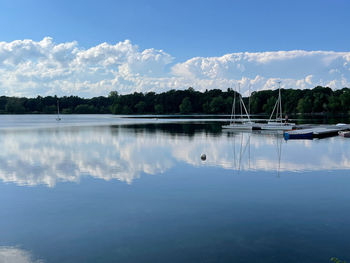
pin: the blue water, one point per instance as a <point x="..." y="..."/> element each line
<point x="130" y="191"/>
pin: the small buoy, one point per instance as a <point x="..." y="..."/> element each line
<point x="203" y="157"/>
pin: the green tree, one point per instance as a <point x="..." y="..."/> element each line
<point x="206" y="107"/>
<point x="304" y="105"/>
<point x="217" y="105"/>
<point x="344" y="98"/>
<point x="228" y="105"/>
<point x="113" y="94"/>
<point x="334" y="104"/>
<point x="255" y="103"/>
<point x="269" y="105"/>
<point x="67" y="111"/>
<point x="126" y="110"/>
<point x="14" y="105"/>
<point x="185" y="106"/>
<point x="140" y="107"/>
<point x="158" y="108"/>
<point x="50" y="109"/>
<point x="85" y="109"/>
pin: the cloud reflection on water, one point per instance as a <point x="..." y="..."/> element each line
<point x="16" y="255"/>
<point x="49" y="156"/>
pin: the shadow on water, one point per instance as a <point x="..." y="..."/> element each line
<point x="321" y="119"/>
<point x="173" y="129"/>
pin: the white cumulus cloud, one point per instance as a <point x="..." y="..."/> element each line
<point x="31" y="68"/>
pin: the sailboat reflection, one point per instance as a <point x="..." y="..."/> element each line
<point x="242" y="153"/>
<point x="243" y="144"/>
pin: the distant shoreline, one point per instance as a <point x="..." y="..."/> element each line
<point x="321" y="101"/>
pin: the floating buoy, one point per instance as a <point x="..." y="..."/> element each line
<point x="203" y="157"/>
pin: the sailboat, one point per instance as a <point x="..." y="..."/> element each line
<point x="58" y="118"/>
<point x="277" y="123"/>
<point x="241" y="124"/>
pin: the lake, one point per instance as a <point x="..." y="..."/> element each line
<point x="100" y="188"/>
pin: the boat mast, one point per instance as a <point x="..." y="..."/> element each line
<point x="278" y="105"/>
<point x="245" y="109"/>
<point x="280" y="99"/>
<point x="58" y="112"/>
<point x="249" y="101"/>
<point x="273" y="111"/>
<point x="239" y="91"/>
<point x="233" y="111"/>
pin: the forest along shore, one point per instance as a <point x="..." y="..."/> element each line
<point x="320" y="100"/>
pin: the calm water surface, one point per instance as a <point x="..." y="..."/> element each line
<point x="106" y="189"/>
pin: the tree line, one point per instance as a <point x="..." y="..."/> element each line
<point x="317" y="100"/>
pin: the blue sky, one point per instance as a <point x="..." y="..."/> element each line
<point x="182" y="29"/>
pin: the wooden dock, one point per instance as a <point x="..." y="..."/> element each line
<point x="319" y="131"/>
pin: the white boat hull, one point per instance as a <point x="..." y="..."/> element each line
<point x="238" y="126"/>
<point x="278" y="126"/>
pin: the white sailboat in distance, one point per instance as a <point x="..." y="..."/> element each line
<point x="241" y="124"/>
<point x="278" y="123"/>
<point x="58" y="118"/>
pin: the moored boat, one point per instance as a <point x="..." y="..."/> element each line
<point x="278" y="123"/>
<point x="271" y="125"/>
<point x="345" y="134"/>
<point x="241" y="124"/>
<point x="298" y="135"/>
